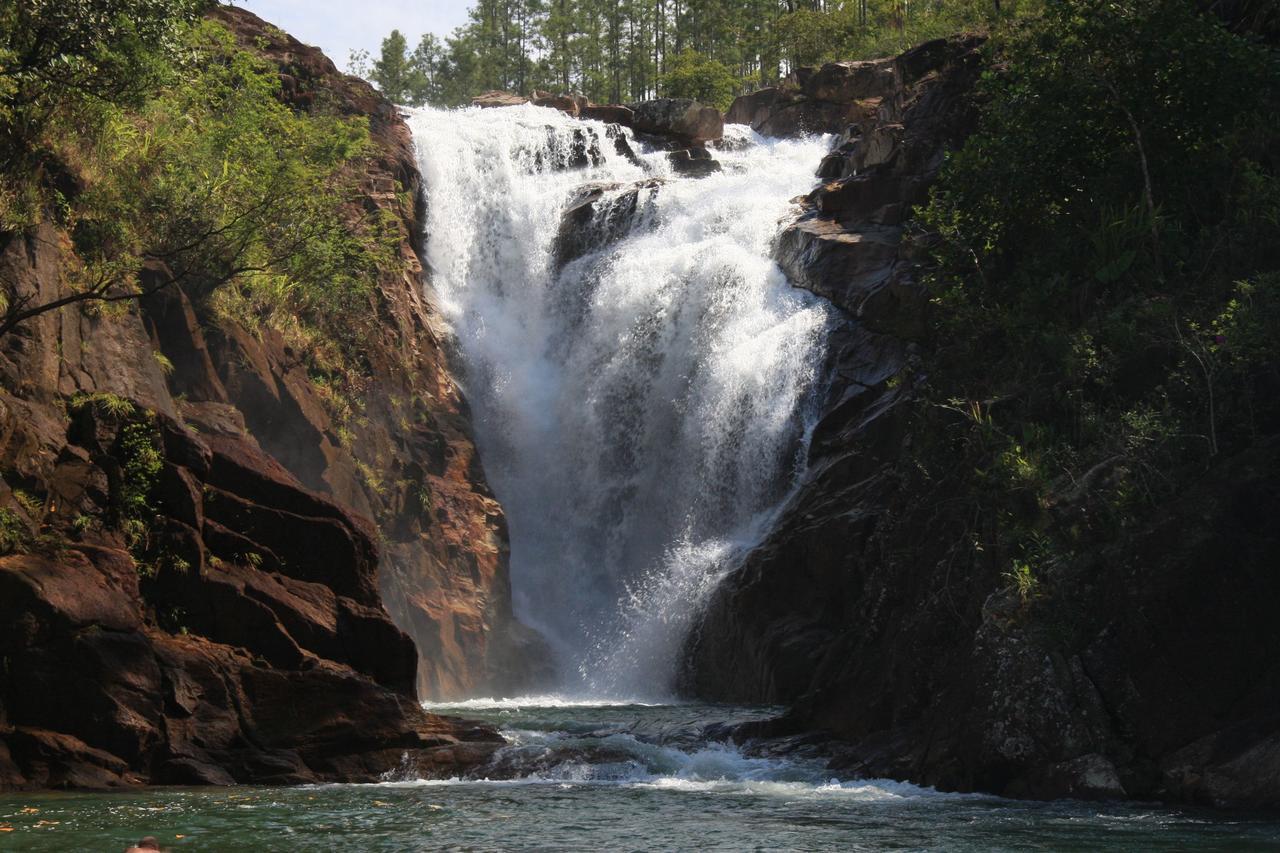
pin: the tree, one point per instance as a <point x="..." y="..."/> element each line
<point x="210" y="181"/>
<point x="693" y="75"/>
<point x="391" y="70"/>
<point x="615" y="50"/>
<point x="1106" y="270"/>
<point x="54" y="53"/>
<point x="425" y="68"/>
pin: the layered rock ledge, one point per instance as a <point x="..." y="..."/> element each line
<point x="298" y="588"/>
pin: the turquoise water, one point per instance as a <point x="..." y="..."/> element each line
<point x="612" y="777"/>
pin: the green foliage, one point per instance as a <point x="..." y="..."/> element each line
<point x="31" y="505"/>
<point x="56" y="53"/>
<point x="1106" y="279"/>
<point x="873" y="28"/>
<point x="15" y="536"/>
<point x="625" y="50"/>
<point x="1023" y="581"/>
<point x="109" y="404"/>
<point x="692" y="75"/>
<point x="213" y="182"/>
<point x="138" y="449"/>
<point x="219" y="180"/>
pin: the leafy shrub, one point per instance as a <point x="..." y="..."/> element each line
<point x="1105" y="281"/>
<point x="692" y="75"/>
<point x="15" y="536"/>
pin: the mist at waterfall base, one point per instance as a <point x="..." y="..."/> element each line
<point x="642" y="409"/>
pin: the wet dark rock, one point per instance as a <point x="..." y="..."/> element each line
<point x="621" y="146"/>
<point x="600" y="214"/>
<point x="693" y="162"/>
<point x="859" y="610"/>
<point x="609" y="114"/>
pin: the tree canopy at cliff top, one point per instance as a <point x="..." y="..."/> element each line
<point x="625" y="50"/>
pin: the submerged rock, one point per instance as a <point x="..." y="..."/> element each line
<point x="580" y="151"/>
<point x="621" y="146"/>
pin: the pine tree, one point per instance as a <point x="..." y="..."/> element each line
<point x="391" y="69"/>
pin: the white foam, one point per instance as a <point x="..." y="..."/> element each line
<point x="642" y="411"/>
<point x="539" y="701"/>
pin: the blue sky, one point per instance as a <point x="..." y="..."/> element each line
<point x="339" y="26"/>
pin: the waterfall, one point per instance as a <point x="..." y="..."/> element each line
<point x="642" y="384"/>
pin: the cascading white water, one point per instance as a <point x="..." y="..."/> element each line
<point x="641" y="409"/>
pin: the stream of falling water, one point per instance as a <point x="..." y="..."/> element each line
<point x="641" y="408"/>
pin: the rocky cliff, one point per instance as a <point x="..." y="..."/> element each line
<point x="1149" y="672"/>
<point x="258" y="623"/>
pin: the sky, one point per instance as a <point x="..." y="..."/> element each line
<point x="339" y="26"/>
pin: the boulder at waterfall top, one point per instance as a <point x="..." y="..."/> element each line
<point x="682" y="118"/>
<point x="827" y="99"/>
<point x="497" y="98"/>
<point x="680" y="122"/>
<point x="241" y="630"/>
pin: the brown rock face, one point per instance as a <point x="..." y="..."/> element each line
<point x="248" y="631"/>
<point x="498" y="99"/>
<point x="824" y="100"/>
<point x="564" y="103"/>
<point x="254" y="652"/>
<point x="682" y="118"/>
<point x="444" y="542"/>
<point x="609" y="114"/>
<point x="860" y="610"/>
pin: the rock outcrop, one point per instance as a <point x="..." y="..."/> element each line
<point x="1149" y="673"/>
<point x="243" y="627"/>
<point x="444" y="573"/>
<point x="827" y="99"/>
<point x="675" y="124"/>
<point x="600" y="214"/>
<point x="683" y="119"/>
<point x="754" y="642"/>
<point x="694" y="162"/>
<point x="497" y="98"/>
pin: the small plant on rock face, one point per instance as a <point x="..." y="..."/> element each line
<point x="15" y="538"/>
<point x="162" y="360"/>
<point x="1023" y="580"/>
<point x="31" y="505"/>
<point x="108" y="404"/>
<point x="141" y="461"/>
